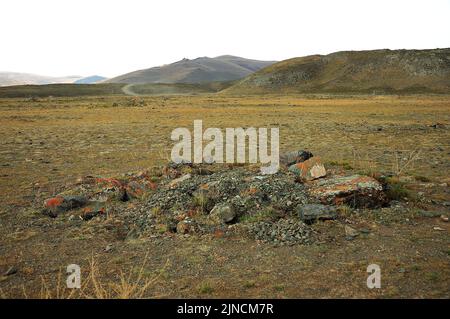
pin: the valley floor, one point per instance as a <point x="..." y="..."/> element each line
<point x="47" y="143"/>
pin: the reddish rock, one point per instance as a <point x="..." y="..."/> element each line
<point x="138" y="188"/>
<point x="110" y="189"/>
<point x="135" y="189"/>
<point x="54" y="206"/>
<point x="355" y="191"/>
<point x="153" y="186"/>
<point x="309" y="170"/>
<point x="93" y="209"/>
<point x="185" y="227"/>
<point x="170" y="172"/>
<point x="111" y="182"/>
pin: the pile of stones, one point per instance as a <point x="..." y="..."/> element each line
<point x="285" y="231"/>
<point x="196" y="199"/>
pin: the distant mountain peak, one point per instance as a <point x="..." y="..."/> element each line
<point x="90" y="79"/>
<point x="198" y="70"/>
<point x="17" y="78"/>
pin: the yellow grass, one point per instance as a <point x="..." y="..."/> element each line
<point x="47" y="143"/>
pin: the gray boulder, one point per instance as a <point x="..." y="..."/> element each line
<point x="312" y="212"/>
<point x="294" y="157"/>
<point x="222" y="213"/>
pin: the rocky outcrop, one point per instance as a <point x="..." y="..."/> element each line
<point x="55" y="205"/>
<point x="291" y="158"/>
<point x="354" y="190"/>
<point x="186" y="200"/>
<point x="222" y="214"/>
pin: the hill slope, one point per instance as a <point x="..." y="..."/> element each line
<point x="383" y="71"/>
<point x="15" y="78"/>
<point x="90" y="79"/>
<point x="200" y="70"/>
<point x="71" y="89"/>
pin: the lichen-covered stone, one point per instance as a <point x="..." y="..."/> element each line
<point x="54" y="206"/>
<point x="185" y="227"/>
<point x="222" y="213"/>
<point x="309" y="170"/>
<point x="354" y="190"/>
<point x="291" y="158"/>
<point x="312" y="212"/>
<point x="178" y="180"/>
<point x="92" y="209"/>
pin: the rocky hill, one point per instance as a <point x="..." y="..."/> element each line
<point x="378" y="71"/>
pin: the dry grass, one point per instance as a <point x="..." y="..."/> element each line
<point x="52" y="142"/>
<point x="48" y="143"/>
<point x="130" y="285"/>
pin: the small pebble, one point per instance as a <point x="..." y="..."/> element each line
<point x="11" y="271"/>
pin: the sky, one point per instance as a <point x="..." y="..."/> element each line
<point x="111" y="37"/>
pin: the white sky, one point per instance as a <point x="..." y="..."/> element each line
<point x="110" y="37"/>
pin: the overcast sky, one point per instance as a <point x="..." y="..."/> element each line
<point x="110" y="37"/>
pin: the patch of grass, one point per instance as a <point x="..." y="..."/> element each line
<point x="267" y="214"/>
<point x="133" y="285"/>
<point x="395" y="189"/>
<point x="278" y="288"/>
<point x="415" y="267"/>
<point x="34" y="92"/>
<point x="201" y="201"/>
<point x="344" y="165"/>
<point x="344" y="210"/>
<point x="249" y="284"/>
<point x="432" y="276"/>
<point x="205" y="288"/>
<point x="423" y="179"/>
<point x="156" y="211"/>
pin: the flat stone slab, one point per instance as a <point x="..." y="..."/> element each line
<point x="355" y="191"/>
<point x="312" y="212"/>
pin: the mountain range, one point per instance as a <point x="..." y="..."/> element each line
<point x="16" y="78"/>
<point x="375" y="71"/>
<point x="199" y="70"/>
<point x="90" y="79"/>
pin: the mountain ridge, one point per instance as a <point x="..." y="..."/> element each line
<point x="19" y="78"/>
<point x="198" y="70"/>
<point x="369" y="71"/>
<point x="92" y="79"/>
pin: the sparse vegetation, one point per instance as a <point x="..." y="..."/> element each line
<point x="130" y="285"/>
<point x="329" y="74"/>
<point x="268" y="214"/>
<point x="395" y="189"/>
<point x="201" y="201"/>
<point x="205" y="288"/>
<point x="60" y="90"/>
<point x="48" y="143"/>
